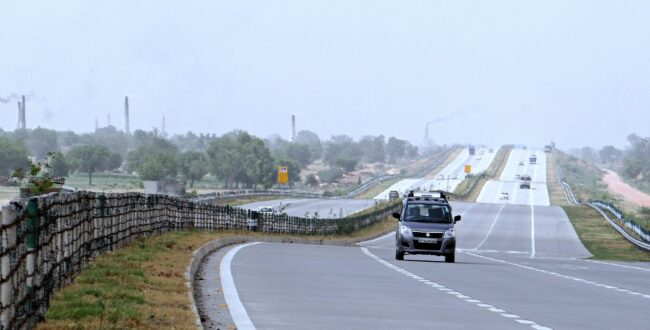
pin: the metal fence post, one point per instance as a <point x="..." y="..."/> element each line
<point x="8" y="243"/>
<point x="32" y="241"/>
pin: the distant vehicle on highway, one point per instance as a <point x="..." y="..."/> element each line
<point x="533" y="159"/>
<point x="440" y="177"/>
<point x="491" y="150"/>
<point x="426" y="226"/>
<point x="548" y="149"/>
<point x="265" y="209"/>
<point x="521" y="163"/>
<point x="525" y="181"/>
<point x="504" y="196"/>
<point x="517" y="176"/>
<point x="393" y="194"/>
<point x="472" y="150"/>
<point x="454" y="176"/>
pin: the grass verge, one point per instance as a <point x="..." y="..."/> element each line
<point x="143" y="285"/>
<point x="600" y="238"/>
<point x="378" y="189"/>
<point x="556" y="193"/>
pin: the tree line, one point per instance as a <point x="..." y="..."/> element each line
<point x="237" y="158"/>
<point x="632" y="162"/>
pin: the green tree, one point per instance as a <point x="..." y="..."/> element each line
<point x="41" y="141"/>
<point x="330" y="175"/>
<point x="311" y="140"/>
<point x="13" y="156"/>
<point x="148" y="144"/>
<point x="59" y="165"/>
<point x="193" y="166"/>
<point x="299" y="153"/>
<point x="341" y="151"/>
<point x="239" y="157"/>
<point x="609" y="154"/>
<point x="395" y="149"/>
<point x="89" y="159"/>
<point x="158" y="166"/>
<point x="373" y="148"/>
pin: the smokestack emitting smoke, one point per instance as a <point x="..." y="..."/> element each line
<point x="21" y="114"/>
<point x="293" y="128"/>
<point x="126" y="115"/>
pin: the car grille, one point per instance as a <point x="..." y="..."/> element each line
<point x="427" y="246"/>
<point x="424" y="234"/>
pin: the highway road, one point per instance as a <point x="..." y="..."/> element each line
<point x="454" y="171"/>
<point x="518" y="267"/>
<point x="507" y="189"/>
<point x="326" y="208"/>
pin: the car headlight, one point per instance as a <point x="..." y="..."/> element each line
<point x="405" y="231"/>
<point x="451" y="232"/>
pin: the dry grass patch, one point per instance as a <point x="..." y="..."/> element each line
<point x="600" y="238"/>
<point x="554" y="188"/>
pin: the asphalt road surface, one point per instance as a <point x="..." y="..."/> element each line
<point x="517" y="267"/>
<point x="326" y="208"/>
<point x="450" y="176"/>
<point x="507" y="189"/>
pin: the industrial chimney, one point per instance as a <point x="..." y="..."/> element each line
<point x="293" y="128"/>
<point x="24" y="116"/>
<point x="126" y="115"/>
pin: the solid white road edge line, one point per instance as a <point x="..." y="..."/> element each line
<point x="455" y="293"/>
<point x="617" y="265"/>
<point x="577" y="279"/>
<point x="491" y="227"/>
<point x="532" y="230"/>
<point x="235" y="306"/>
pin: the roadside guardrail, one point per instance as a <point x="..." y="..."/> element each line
<point x="622" y="224"/>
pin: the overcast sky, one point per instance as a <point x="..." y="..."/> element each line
<point x="499" y="72"/>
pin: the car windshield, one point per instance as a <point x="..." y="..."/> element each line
<point x="431" y="213"/>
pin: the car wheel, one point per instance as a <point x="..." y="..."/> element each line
<point x="399" y="255"/>
<point x="451" y="258"/>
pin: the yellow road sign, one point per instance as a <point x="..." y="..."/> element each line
<point x="468" y="169"/>
<point x="283" y="175"/>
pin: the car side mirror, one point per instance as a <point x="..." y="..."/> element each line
<point x="457" y="218"/>
<point x="396" y="215"/>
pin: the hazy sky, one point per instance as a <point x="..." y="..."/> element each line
<point x="577" y="72"/>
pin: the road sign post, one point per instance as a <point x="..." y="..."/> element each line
<point x="283" y="175"/>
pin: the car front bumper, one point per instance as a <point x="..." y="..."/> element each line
<point x="442" y="246"/>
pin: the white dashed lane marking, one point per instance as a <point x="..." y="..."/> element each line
<point x="577" y="279"/>
<point x="458" y="295"/>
